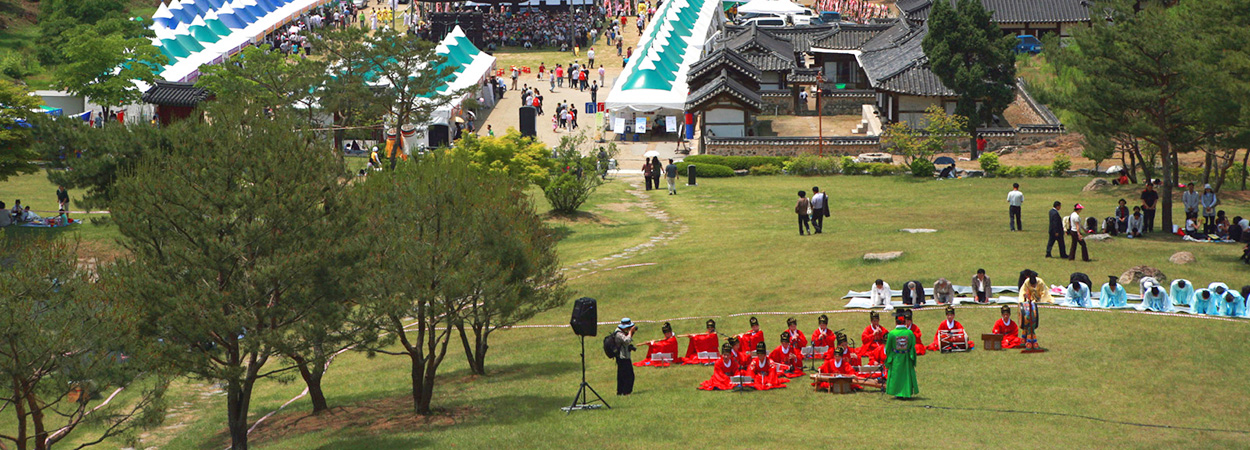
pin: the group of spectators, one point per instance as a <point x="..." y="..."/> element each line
<point x="22" y="214"/>
<point x="294" y="40"/>
<point x="564" y="30"/>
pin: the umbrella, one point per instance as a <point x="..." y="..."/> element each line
<point x="651" y="154"/>
<point x="944" y="160"/>
<point x="459" y="120"/>
<point x="1114" y="169"/>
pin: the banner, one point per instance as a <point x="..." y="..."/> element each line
<point x="618" y="125"/>
<point x="640" y="125"/>
<point x="599" y="126"/>
<point x="670" y="124"/>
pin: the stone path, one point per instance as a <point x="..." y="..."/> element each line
<point x="671" y="229"/>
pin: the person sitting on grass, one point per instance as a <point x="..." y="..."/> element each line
<point x="1231" y="305"/>
<point x="788" y="356"/>
<point x="943" y="292"/>
<point x="763" y="372"/>
<point x="1204" y="302"/>
<point x="1191" y="228"/>
<point x="1135" y="223"/>
<point x="1078" y="294"/>
<point x="1112" y="294"/>
<point x="950" y="324"/>
<point x="1221" y="225"/>
<point x="880" y="294"/>
<point x="1009" y="330"/>
<point x="723" y="369"/>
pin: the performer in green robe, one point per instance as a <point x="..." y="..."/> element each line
<point x="900" y="360"/>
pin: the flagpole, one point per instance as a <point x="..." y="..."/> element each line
<point x="820" y="114"/>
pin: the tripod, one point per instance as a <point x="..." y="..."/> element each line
<point x="582" y="399"/>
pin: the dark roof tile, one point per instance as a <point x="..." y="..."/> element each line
<point x="173" y="93"/>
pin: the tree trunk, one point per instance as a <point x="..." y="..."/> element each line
<point x="470" y="352"/>
<point x="312" y="374"/>
<point x="237" y="402"/>
<point x="1176" y="167"/>
<point x="1244" y="160"/>
<point x="1165" y="191"/>
<point x="36" y="419"/>
<point x="418" y="386"/>
<point x="1147" y="167"/>
<point x="20" y="410"/>
<point x="1206" y="167"/>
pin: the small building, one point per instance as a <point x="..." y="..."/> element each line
<point x="1016" y="17"/>
<point x="898" y="70"/>
<point x="174" y="100"/>
<point x="728" y="94"/>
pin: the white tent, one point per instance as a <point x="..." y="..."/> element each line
<point x="770" y="7"/>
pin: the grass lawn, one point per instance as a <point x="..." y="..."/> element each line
<point x="36" y="191"/>
<point x="740" y="256"/>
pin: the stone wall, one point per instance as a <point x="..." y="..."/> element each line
<point x="846" y="103"/>
<point x="777" y="103"/>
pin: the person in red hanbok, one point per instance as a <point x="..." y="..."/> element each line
<point x="950" y="324"/>
<point x="667" y="345"/>
<point x="705" y="342"/>
<point x="722" y="369"/>
<point x="823" y="336"/>
<point x="873" y="339"/>
<point x="764" y="372"/>
<point x="837" y="364"/>
<point x="1009" y="329"/>
<point x="749" y="340"/>
<point x="915" y="329"/>
<point x="743" y="357"/>
<point x="788" y="356"/>
<point x="797" y="338"/>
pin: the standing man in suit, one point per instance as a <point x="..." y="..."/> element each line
<point x="1056" y="232"/>
<point x="820" y="209"/>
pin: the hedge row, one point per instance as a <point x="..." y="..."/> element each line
<point x="736" y="162"/>
<point x="706" y="170"/>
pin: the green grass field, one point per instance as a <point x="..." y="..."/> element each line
<point x="735" y="253"/>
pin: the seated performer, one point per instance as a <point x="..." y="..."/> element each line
<point x="981" y="288"/>
<point x="748" y="341"/>
<point x="914" y="329"/>
<point x="1112" y="294"/>
<point x="1182" y="292"/>
<point x="900" y="365"/>
<point x="1078" y="295"/>
<point x="943" y="292"/>
<point x="1203" y="302"/>
<point x="838" y="364"/>
<point x="873" y="338"/>
<point x="1232" y="305"/>
<point x="950" y="324"/>
<point x="1034" y="288"/>
<point x="740" y="352"/>
<point x="705" y="342"/>
<point x="667" y="345"/>
<point x="880" y="295"/>
<point x="787" y="356"/>
<point x="1154" y="298"/>
<point x="723" y="368"/>
<point x="796" y="337"/>
<point x="823" y="336"/>
<point x="913" y="294"/>
<point x="1008" y="329"/>
<point x="763" y="371"/>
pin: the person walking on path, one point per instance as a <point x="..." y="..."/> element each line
<point x="602" y="73"/>
<point x="820" y="209"/>
<point x="1077" y="234"/>
<point x="670" y="172"/>
<point x="646" y="172"/>
<point x="1015" y="199"/>
<point x="625" y="366"/>
<point x="657" y="168"/>
<point x="590" y="57"/>
<point x="1056" y="232"/>
<point x="1149" y="197"/>
<point x="515" y="73"/>
<point x="594" y="92"/>
<point x="804" y="210"/>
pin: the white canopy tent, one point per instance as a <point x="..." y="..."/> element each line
<point x="771" y="7"/>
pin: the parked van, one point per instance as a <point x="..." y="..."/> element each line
<point x="766" y="22"/>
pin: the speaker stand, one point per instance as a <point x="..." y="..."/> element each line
<point x="582" y="399"/>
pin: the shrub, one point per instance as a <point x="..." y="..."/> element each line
<point x="707" y="170"/>
<point x="880" y="169"/>
<point x="811" y="165"/>
<point x="1036" y="171"/>
<point x="850" y="167"/>
<point x="706" y="159"/>
<point x="566" y="193"/>
<point x="737" y="162"/>
<point x="766" y="169"/>
<point x="1011" y="171"/>
<point x="1059" y="167"/>
<point x="921" y="167"/>
<point x="989" y="163"/>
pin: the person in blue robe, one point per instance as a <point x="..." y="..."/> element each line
<point x="1203" y="301"/>
<point x="1078" y="295"/>
<point x="1112" y="294"/>
<point x="1182" y="292"/>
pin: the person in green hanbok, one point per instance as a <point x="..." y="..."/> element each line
<point x="900" y="360"/>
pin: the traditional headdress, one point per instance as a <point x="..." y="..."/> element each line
<point x="791" y="321"/>
<point x="785" y="337"/>
<point x="823" y="319"/>
<point x="754" y="321"/>
<point x="667" y="328"/>
<point x="950" y="309"/>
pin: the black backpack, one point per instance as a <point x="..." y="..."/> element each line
<point x="611" y="346"/>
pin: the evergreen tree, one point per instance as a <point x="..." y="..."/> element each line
<point x="16" y="155"/>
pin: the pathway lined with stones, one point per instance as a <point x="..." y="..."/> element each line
<point x="672" y="229"/>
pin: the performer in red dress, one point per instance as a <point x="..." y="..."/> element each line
<point x="837" y="364"/>
<point x="823" y="336"/>
<point x="743" y="357"/>
<point x="914" y="329"/>
<point x="788" y="356"/>
<point x="950" y="324"/>
<point x="764" y="372"/>
<point x="749" y="340"/>
<point x="706" y="342"/>
<point x="723" y="368"/>
<point x="1009" y="329"/>
<point x="667" y="345"/>
<point x="797" y="338"/>
<point x="872" y="339"/>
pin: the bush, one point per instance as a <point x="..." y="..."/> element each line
<point x="566" y="193"/>
<point x="706" y="159"/>
<point x="850" y="167"/>
<point x="707" y="170"/>
<point x="1036" y="171"/>
<point x="1059" y="167"/>
<point x="738" y="162"/>
<point x="880" y="169"/>
<point x="18" y="65"/>
<point x="989" y="163"/>
<point x="811" y="165"/>
<point x="921" y="167"/>
<point x="767" y="169"/>
<point x="1011" y="171"/>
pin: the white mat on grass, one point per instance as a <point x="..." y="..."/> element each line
<point x="866" y="303"/>
<point x="962" y="290"/>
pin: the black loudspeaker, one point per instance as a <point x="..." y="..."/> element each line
<point x="529" y="115"/>
<point x="438" y="135"/>
<point x="585" y="321"/>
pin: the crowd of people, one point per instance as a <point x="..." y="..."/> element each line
<point x="294" y="39"/>
<point x="858" y="11"/>
<point x="21" y="214"/>
<point x="564" y="30"/>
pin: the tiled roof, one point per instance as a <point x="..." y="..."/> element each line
<point x="172" y="93"/>
<point x="895" y="61"/>
<point x="760" y="39"/>
<point x="1013" y="11"/>
<point x="917" y="80"/>
<point x="722" y="59"/>
<point x="769" y="62"/>
<point x="724" y="84"/>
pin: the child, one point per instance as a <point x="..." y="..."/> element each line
<point x="1009" y="329"/>
<point x="555" y="123"/>
<point x="804" y="209"/>
<point x="542" y="67"/>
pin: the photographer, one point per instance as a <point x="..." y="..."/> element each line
<point x="624" y="366"/>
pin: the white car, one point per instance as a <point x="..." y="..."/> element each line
<point x="766" y="22"/>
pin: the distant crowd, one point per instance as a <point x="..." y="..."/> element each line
<point x="540" y="29"/>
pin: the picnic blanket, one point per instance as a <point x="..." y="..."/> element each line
<point x="1209" y="241"/>
<point x="866" y="303"/>
<point x="42" y="224"/>
<point x="961" y="290"/>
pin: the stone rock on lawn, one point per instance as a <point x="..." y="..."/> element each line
<point x="1134" y="275"/>
<point x="1098" y="237"/>
<point x="1095" y="184"/>
<point x="1182" y="258"/>
<point x="918" y="230"/>
<point x="882" y="256"/>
